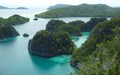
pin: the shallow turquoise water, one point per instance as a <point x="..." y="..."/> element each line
<point x="15" y="58"/>
<point x="82" y="39"/>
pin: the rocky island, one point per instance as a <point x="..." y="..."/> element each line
<point x="47" y="44"/>
<point x="58" y="25"/>
<point x="25" y="35"/>
<point x="35" y="19"/>
<point x="7" y="31"/>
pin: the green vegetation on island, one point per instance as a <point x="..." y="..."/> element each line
<point x="85" y="27"/>
<point x="79" y="24"/>
<point x="13" y="20"/>
<point x="52" y="25"/>
<point x="100" y="54"/>
<point x="7" y="31"/>
<point x="74" y="28"/>
<point x="55" y="40"/>
<point x="83" y="10"/>
<point x="16" y="19"/>
<point x="48" y="44"/>
<point x="58" y="25"/>
<point x="93" y="22"/>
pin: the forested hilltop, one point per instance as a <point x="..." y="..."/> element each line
<point x="13" y="20"/>
<point x="100" y="54"/>
<point x="83" y="10"/>
<point x="59" y="25"/>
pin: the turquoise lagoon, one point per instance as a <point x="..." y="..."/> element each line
<point x="15" y="58"/>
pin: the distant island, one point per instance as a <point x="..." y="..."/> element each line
<point x="83" y="10"/>
<point x="21" y="8"/>
<point x="3" y="7"/>
<point x="58" y="6"/>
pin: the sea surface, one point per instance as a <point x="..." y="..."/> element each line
<point x="15" y="58"/>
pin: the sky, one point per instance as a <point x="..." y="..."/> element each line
<point x="47" y="3"/>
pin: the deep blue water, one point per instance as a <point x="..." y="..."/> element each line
<point x="15" y="58"/>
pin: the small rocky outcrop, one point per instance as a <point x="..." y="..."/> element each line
<point x="25" y="35"/>
<point x="35" y="19"/>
